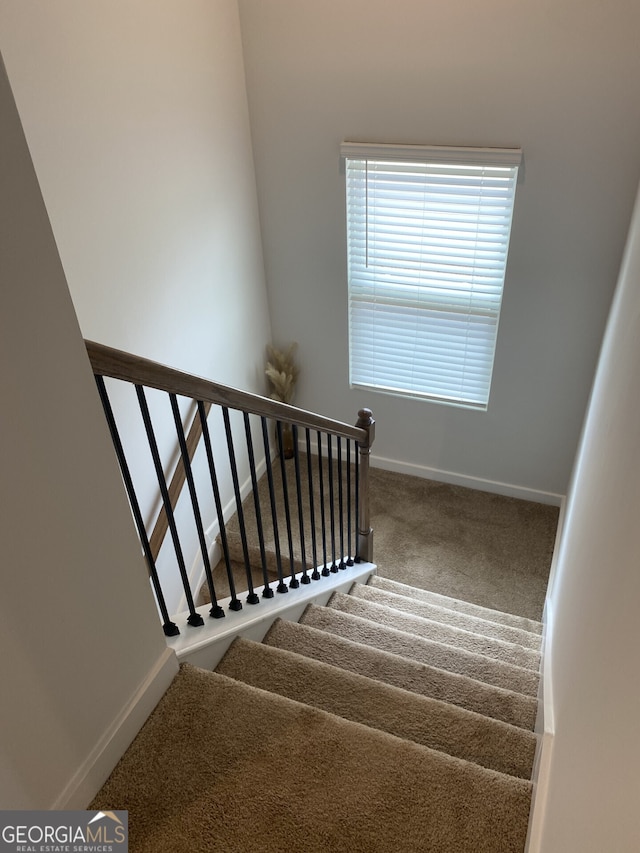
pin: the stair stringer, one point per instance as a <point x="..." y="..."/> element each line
<point x="545" y="723"/>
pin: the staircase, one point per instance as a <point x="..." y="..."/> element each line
<point x="392" y="719"/>
<point x="386" y="719"/>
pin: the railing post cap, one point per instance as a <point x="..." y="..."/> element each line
<point x="365" y="418"/>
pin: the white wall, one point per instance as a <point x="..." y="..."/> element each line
<point x="136" y="115"/>
<point x="78" y="629"/>
<point x="592" y="802"/>
<point x="557" y="77"/>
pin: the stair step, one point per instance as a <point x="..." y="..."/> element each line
<point x="455" y="604"/>
<point x="447" y="616"/>
<point x="421" y="719"/>
<point x="452" y="658"/>
<point x="316" y="778"/>
<point x="506" y="705"/>
<point x="477" y="643"/>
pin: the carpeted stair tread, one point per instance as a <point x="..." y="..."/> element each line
<point x="447" y="616"/>
<point x="266" y="773"/>
<point x="467" y="607"/>
<point x="452" y="658"/>
<point x="423" y="679"/>
<point x="421" y="719"/>
<point x="477" y="643"/>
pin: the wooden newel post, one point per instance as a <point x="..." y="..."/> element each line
<point x="364" y="547"/>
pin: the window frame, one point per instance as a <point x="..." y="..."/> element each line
<point x="437" y="317"/>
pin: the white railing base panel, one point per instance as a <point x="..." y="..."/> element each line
<point x="206" y="645"/>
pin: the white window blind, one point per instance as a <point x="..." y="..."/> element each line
<point x="428" y="233"/>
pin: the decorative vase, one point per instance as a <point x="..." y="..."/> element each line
<point x="287" y="441"/>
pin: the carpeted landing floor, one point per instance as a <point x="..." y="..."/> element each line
<point x="393" y="719"/>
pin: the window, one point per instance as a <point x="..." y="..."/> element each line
<point x="428" y="233"/>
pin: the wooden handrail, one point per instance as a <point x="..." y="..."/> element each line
<point x="107" y="361"/>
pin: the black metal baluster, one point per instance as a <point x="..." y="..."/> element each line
<point x="334" y="567"/>
<point x="293" y="583"/>
<point x="282" y="587"/>
<point x="194" y="618"/>
<point x="216" y="611"/>
<point x="170" y="628"/>
<point x="252" y="597"/>
<point x="267" y="592"/>
<point x="325" y="568"/>
<point x="350" y="548"/>
<point x="235" y="603"/>
<point x="296" y="459"/>
<point x="315" y="574"/>
<point x="342" y="564"/>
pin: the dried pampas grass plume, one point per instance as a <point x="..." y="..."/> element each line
<point x="282" y="372"/>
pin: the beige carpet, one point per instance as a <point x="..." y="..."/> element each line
<point x="276" y="775"/>
<point x="335" y="735"/>
<point x="421" y="678"/>
<point x="457" y="605"/>
<point x="440" y="632"/>
<point x="420" y="719"/>
<point x="397" y="718"/>
<point x="487" y="549"/>
<point x="423" y="650"/>
<point x="397" y="600"/>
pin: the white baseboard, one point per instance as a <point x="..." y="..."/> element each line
<point x="455" y="479"/>
<point x="545" y="722"/>
<point x="541" y="776"/>
<point x="94" y="771"/>
<point x="545" y="730"/>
